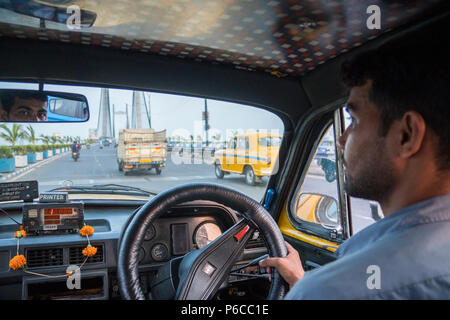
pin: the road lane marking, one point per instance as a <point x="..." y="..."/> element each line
<point x="53" y="158"/>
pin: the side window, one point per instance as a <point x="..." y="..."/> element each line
<point x="316" y="200"/>
<point x="243" y="143"/>
<point x="269" y="141"/>
<point x="364" y="212"/>
<point x="232" y="144"/>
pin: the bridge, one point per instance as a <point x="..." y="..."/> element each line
<point x="140" y="114"/>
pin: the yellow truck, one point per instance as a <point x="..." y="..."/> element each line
<point x="141" y="149"/>
<point x="253" y="154"/>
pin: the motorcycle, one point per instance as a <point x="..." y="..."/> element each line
<point x="75" y="155"/>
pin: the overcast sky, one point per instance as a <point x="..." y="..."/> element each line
<point x="179" y="115"/>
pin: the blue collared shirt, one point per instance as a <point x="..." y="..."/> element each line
<point x="403" y="256"/>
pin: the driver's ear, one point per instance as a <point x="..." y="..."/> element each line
<point x="412" y="128"/>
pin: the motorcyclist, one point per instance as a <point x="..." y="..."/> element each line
<point x="75" y="147"/>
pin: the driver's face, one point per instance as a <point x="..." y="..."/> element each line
<point x="28" y="110"/>
<point x="367" y="156"/>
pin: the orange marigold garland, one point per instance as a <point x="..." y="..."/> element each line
<point x="86" y="231"/>
<point x="19" y="261"/>
<point x="89" y="251"/>
<point x="20" y="233"/>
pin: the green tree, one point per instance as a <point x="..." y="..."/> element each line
<point x="12" y="135"/>
<point x="30" y="135"/>
<point x="45" y="139"/>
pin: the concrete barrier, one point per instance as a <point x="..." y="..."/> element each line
<point x="21" y="161"/>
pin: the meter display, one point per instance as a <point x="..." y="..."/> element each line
<point x="206" y="233"/>
<point x="53" y="218"/>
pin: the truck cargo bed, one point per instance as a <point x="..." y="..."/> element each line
<point x="140" y="149"/>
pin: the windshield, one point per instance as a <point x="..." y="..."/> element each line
<point x="144" y="140"/>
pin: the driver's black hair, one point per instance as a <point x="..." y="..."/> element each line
<point x="7" y="97"/>
<point x="413" y="74"/>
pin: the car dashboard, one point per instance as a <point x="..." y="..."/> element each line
<point x="176" y="232"/>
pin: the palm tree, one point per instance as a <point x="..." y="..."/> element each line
<point x="45" y="139"/>
<point x="30" y="135"/>
<point x="12" y="135"/>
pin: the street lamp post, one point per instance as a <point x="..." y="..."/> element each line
<point x="206" y="118"/>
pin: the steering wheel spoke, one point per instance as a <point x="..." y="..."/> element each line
<point x="203" y="271"/>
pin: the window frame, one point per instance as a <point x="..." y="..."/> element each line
<point x="345" y="205"/>
<point x="336" y="235"/>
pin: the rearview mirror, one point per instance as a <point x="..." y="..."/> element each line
<point x="42" y="106"/>
<point x="61" y="12"/>
<point x="318" y="208"/>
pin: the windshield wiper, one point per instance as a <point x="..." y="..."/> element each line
<point x="103" y="188"/>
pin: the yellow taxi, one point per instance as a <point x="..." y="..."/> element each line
<point x="252" y="154"/>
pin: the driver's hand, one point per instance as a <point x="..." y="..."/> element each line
<point x="289" y="267"/>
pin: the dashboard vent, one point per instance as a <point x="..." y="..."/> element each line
<point x="44" y="257"/>
<point x="76" y="256"/>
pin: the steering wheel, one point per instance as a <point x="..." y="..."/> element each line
<point x="198" y="274"/>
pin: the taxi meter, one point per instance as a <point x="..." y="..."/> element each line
<point x="53" y="218"/>
<point x="53" y="214"/>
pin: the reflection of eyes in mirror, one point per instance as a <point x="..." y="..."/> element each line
<point x="27" y="112"/>
<point x="30" y="106"/>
